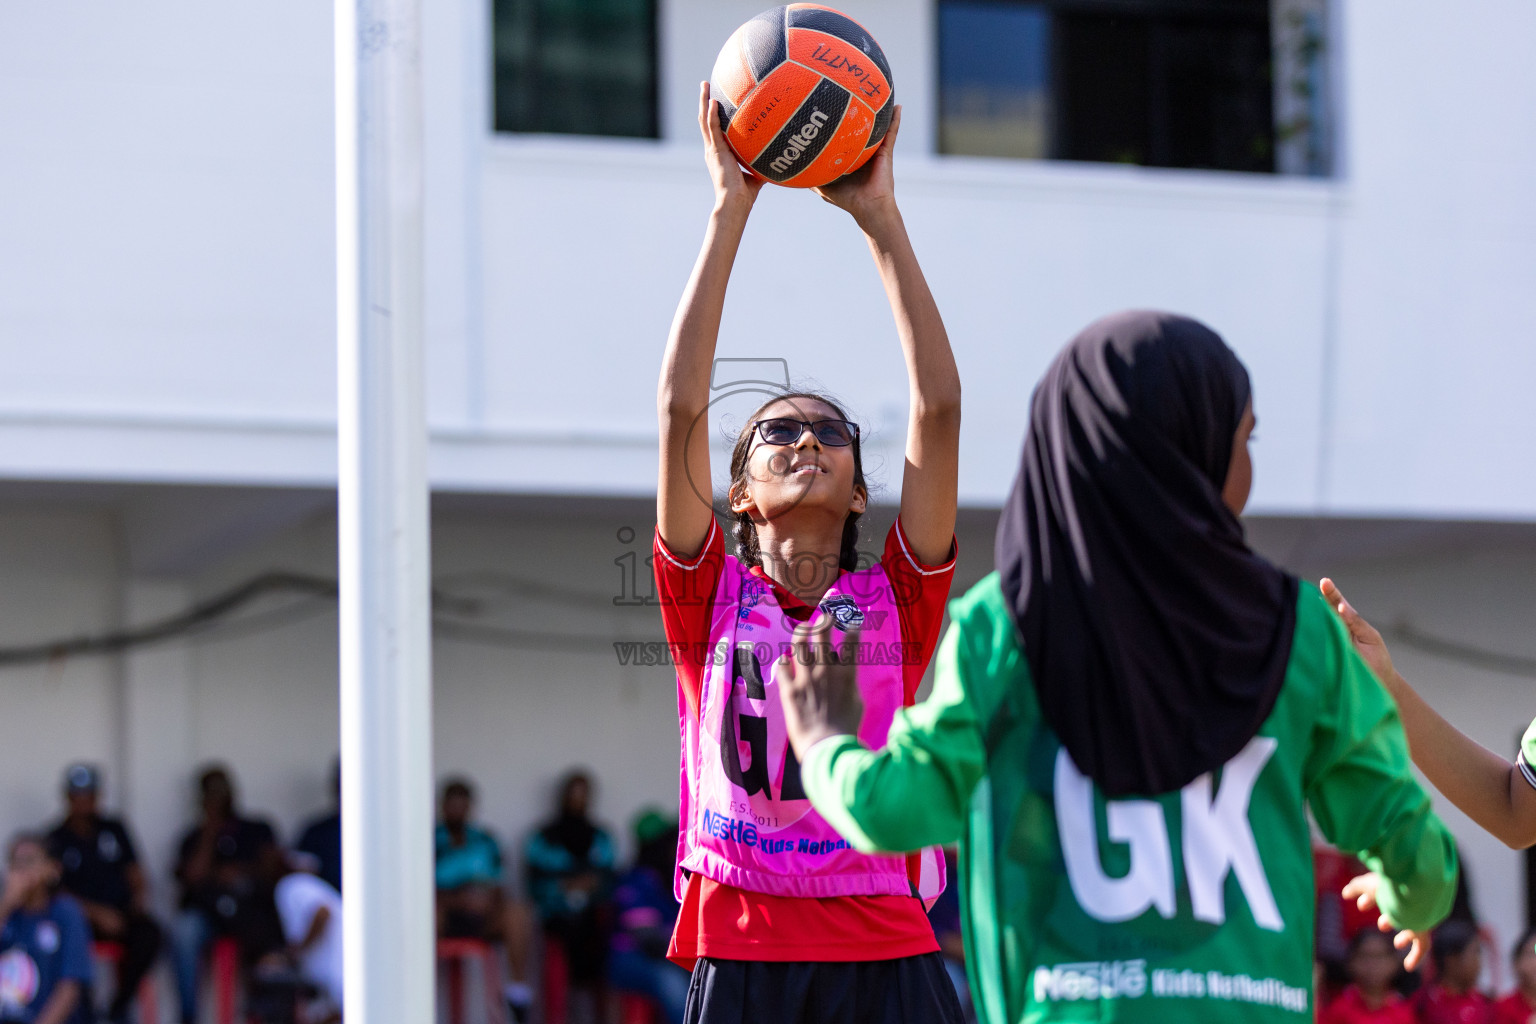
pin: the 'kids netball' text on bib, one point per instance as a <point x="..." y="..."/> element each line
<point x="746" y="819"/>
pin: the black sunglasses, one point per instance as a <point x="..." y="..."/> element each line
<point x="785" y="431"/>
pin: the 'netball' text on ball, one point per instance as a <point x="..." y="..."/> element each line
<point x="798" y="143"/>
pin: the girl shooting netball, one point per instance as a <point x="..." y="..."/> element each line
<point x="782" y="921"/>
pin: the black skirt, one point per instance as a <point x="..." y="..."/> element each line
<point x="909" y="990"/>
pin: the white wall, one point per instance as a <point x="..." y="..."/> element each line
<point x="58" y="570"/>
<point x="261" y="697"/>
<point x="166" y="304"/>
<point x="168" y="211"/>
<point x="1436" y="310"/>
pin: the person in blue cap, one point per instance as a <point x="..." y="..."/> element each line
<point x="100" y="868"/>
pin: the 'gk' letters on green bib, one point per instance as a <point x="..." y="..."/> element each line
<point x="1217" y="841"/>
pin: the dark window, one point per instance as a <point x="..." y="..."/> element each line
<point x="994" y="75"/>
<point x="1163" y="83"/>
<point x="577" y="67"/>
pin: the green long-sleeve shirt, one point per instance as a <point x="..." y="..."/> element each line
<point x="1191" y="906"/>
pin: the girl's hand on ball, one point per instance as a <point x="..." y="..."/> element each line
<point x="870" y="191"/>
<point x="732" y="184"/>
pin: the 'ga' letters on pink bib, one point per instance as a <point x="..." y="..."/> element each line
<point x="746" y="821"/>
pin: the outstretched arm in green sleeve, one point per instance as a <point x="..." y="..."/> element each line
<point x="1361" y="787"/>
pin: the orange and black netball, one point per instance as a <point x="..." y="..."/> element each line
<point x="805" y="94"/>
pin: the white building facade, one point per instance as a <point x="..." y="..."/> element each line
<point x="167" y="418"/>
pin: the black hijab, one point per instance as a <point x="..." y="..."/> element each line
<point x="1156" y="638"/>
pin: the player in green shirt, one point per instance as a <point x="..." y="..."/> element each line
<point x="1133" y="718"/>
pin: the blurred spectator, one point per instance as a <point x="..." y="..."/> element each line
<point x="646" y="912"/>
<point x="470" y="900"/>
<point x="944" y="915"/>
<point x="1373" y="963"/>
<point x="321" y="838"/>
<point x="1519" y="1007"/>
<point x="100" y="869"/>
<point x="45" y="942"/>
<point x="1453" y="998"/>
<point x="1338" y="920"/>
<point x="310" y="909"/>
<point x="227" y="866"/>
<point x="1461" y="909"/>
<point x="570" y="867"/>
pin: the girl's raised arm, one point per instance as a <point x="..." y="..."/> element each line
<point x="931" y="480"/>
<point x="683" y="511"/>
<point x="1489" y="789"/>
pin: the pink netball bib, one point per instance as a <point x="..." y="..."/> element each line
<point x="746" y="819"/>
